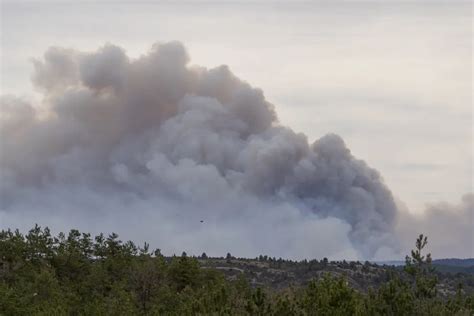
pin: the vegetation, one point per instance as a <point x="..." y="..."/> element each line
<point x="79" y="275"/>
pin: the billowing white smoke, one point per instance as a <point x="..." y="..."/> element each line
<point x="150" y="147"/>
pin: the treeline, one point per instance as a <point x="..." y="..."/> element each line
<point x="41" y="274"/>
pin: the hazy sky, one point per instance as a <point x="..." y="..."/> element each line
<point x="394" y="80"/>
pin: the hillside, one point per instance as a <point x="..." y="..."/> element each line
<point x="455" y="262"/>
<point x="451" y="265"/>
<point x="280" y="274"/>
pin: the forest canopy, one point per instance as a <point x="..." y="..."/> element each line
<point x="77" y="274"/>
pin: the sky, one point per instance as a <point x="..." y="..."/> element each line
<point x="392" y="78"/>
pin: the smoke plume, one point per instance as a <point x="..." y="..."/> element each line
<point x="449" y="227"/>
<point x="150" y="147"/>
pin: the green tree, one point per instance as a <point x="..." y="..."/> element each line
<point x="419" y="267"/>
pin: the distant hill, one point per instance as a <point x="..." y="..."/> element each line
<point x="281" y="274"/>
<point x="448" y="265"/>
<point x="453" y="269"/>
<point x="454" y="265"/>
<point x="455" y="262"/>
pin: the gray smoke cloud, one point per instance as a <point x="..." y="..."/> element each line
<point x="149" y="147"/>
<point x="449" y="227"/>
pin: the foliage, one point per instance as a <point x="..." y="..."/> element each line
<point x="41" y="274"/>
